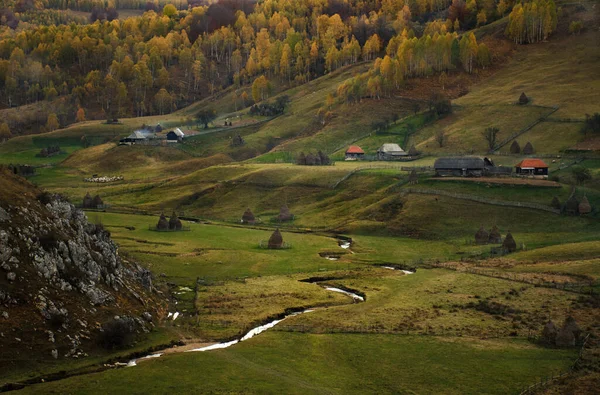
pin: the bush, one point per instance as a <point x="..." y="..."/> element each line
<point x="117" y="333"/>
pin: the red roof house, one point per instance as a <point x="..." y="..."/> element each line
<point x="535" y="167"/>
<point x="354" y="152"/>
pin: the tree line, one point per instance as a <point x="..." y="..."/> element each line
<point x="170" y="57"/>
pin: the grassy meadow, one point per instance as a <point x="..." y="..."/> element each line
<point x="335" y="364"/>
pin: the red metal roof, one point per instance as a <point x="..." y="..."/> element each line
<point x="354" y="149"/>
<point x="536" y="163"/>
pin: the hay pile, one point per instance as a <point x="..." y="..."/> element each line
<point x="495" y="237"/>
<point x="276" y="240"/>
<point x="284" y="214"/>
<point x="481" y="236"/>
<point x="584" y="206"/>
<point x="528" y="149"/>
<point x="509" y="244"/>
<point x="248" y="217"/>
<point x="515" y="148"/>
<point x="162" y="224"/>
<point x="174" y="222"/>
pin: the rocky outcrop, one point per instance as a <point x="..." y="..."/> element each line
<point x="61" y="277"/>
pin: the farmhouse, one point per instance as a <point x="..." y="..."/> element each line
<point x="532" y="167"/>
<point x="467" y="166"/>
<point x="390" y="151"/>
<point x="175" y="136"/>
<point x="354" y="152"/>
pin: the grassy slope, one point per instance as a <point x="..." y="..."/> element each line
<point x="549" y="76"/>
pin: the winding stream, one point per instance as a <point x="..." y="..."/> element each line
<point x="250" y="334"/>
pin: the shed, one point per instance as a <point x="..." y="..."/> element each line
<point x="354" y="152"/>
<point x="532" y="167"/>
<point x="276" y="240"/>
<point x="175" y="135"/>
<point x="465" y="166"/>
<point x="391" y="151"/>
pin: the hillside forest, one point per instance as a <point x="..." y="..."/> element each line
<point x="90" y="64"/>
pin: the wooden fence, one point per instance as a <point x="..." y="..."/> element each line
<point x="525" y="129"/>
<point x="475" y="198"/>
<point x="585" y="288"/>
<point x="544" y="381"/>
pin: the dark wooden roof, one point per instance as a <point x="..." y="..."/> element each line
<point x="463" y="162"/>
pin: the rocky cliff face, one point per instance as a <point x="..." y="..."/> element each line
<point x="61" y="278"/>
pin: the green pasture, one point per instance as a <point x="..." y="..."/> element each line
<point x="342" y="363"/>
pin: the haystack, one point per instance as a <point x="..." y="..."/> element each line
<point x="248" y="217"/>
<point x="549" y="333"/>
<point x="174" y="222"/>
<point x="515" y="148"/>
<point x="97" y="202"/>
<point x="571" y="325"/>
<point x="87" y="201"/>
<point x="284" y="214"/>
<point x="509" y="244"/>
<point x="556" y="203"/>
<point x="495" y="236"/>
<point x="413" y="151"/>
<point x="572" y="206"/>
<point x="523" y="99"/>
<point x="584" y="206"/>
<point x="528" y="149"/>
<point x="162" y="224"/>
<point x="481" y="237"/>
<point x="413" y="177"/>
<point x="565" y="338"/>
<point x="276" y="240"/>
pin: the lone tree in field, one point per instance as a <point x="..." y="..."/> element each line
<point x="237" y="141"/>
<point x="276" y="240"/>
<point x="523" y="99"/>
<point x="481" y="236"/>
<point x="515" y="148"/>
<point x="162" y="224"/>
<point x="509" y="244"/>
<point x="581" y="174"/>
<point x="440" y="138"/>
<point x="205" y="117"/>
<point x="528" y="149"/>
<point x="5" y="133"/>
<point x="490" y="134"/>
<point x="591" y="124"/>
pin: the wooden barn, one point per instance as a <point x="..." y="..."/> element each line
<point x="175" y="136"/>
<point x="464" y="166"/>
<point x="354" y="152"/>
<point x="532" y="167"/>
<point x="390" y="151"/>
